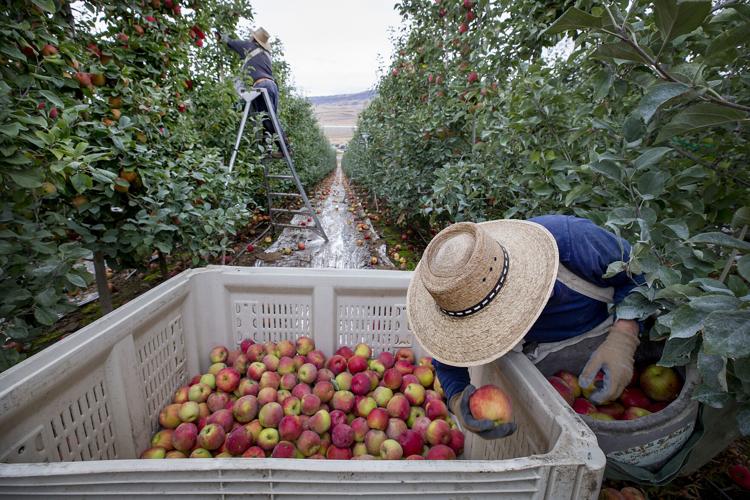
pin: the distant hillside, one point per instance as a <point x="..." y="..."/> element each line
<point x="367" y="95"/>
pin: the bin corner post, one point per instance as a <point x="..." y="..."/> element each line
<point x="324" y="316"/>
<point x="129" y="411"/>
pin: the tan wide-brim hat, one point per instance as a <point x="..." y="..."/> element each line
<point x="261" y="36"/>
<point x="479" y="288"/>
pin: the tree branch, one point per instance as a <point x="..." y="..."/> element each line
<point x="700" y="161"/>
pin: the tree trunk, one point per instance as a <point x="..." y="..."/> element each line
<point x="100" y="271"/>
<point x="162" y="264"/>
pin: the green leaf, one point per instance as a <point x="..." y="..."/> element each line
<point x="633" y="128"/>
<point x="45" y="315"/>
<point x="720" y="239"/>
<point x="636" y="306"/>
<point x="76" y="280"/>
<point x="741" y="217"/>
<point x="743" y="419"/>
<point x="699" y="116"/>
<point x="715" y="302"/>
<point x="686" y="322"/>
<point x="727" y="333"/>
<point x="12" y="51"/>
<point x="743" y="267"/>
<point x="712" y="285"/>
<point x="615" y="268"/>
<point x="81" y="182"/>
<point x="620" y="50"/>
<point x="657" y="95"/>
<point x="651" y="184"/>
<point x="11" y="129"/>
<point x="27" y="179"/>
<point x="713" y="370"/>
<point x="678" y="227"/>
<point x="678" y="351"/>
<point x="607" y="168"/>
<point x="573" y="19"/>
<point x="47" y="5"/>
<point x="677" y="17"/>
<point x="650" y="156"/>
<point x="52" y="97"/>
<point x="728" y="40"/>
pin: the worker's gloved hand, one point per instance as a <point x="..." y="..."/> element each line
<point x="615" y="357"/>
<point x="486" y="429"/>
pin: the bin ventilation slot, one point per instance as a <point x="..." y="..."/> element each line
<point x="161" y="362"/>
<point x="82" y="430"/>
<point x="272" y="320"/>
<point x="380" y="324"/>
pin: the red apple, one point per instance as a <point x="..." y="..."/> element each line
<point x="571" y="380"/>
<point x="373" y="439"/>
<point x="563" y="388"/>
<point x="218" y="354"/>
<point x="440" y="452"/>
<point x="184" y="437"/>
<point x="337" y="364"/>
<point x="211" y="437"/>
<point x="633" y="396"/>
<point x="308" y="443"/>
<point x="387" y="359"/>
<point x="357" y="364"/>
<point x="491" y="403"/>
<point x="345" y="352"/>
<point x="583" y="406"/>
<point x="245" y="409"/>
<point x="740" y="474"/>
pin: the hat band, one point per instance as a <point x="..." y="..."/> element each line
<point x="490" y="296"/>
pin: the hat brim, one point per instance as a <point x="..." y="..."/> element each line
<point x="265" y="45"/>
<point x="488" y="334"/>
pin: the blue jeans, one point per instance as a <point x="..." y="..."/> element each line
<point x="259" y="106"/>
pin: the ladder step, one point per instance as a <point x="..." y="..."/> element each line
<point x="295" y="226"/>
<point x="295" y="212"/>
<point x="292" y="195"/>
<point x="285" y="177"/>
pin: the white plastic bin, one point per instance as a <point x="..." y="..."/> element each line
<point x="74" y="417"/>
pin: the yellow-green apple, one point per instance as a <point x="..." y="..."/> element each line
<point x="175" y="454"/>
<point x="200" y="453"/>
<point x="489" y="402"/>
<point x="362" y="350"/>
<point x="634" y="412"/>
<point x="660" y="383"/>
<point x="305" y="345"/>
<point x="184" y="436"/>
<point x="344" y="381"/>
<point x="343" y="400"/>
<point x="169" y="417"/>
<point x="211" y="437"/>
<point x="155" y="452"/>
<point x="270" y="379"/>
<point x="320" y="422"/>
<point x="600" y="416"/>
<point x="181" y="395"/>
<point x="614" y="409"/>
<point x="247" y="387"/>
<point x="414" y="413"/>
<point x="398" y="407"/>
<point x="290" y="427"/>
<point x="214" y="369"/>
<point x="308" y="443"/>
<point x="307" y="373"/>
<point x="365" y="405"/>
<point x="376" y="366"/>
<point x="256" y="370"/>
<point x="199" y="393"/>
<point x="163" y="439"/>
<point x="189" y="411"/>
<point x="438" y="432"/>
<point x="440" y="452"/>
<point x="218" y="354"/>
<point x="245" y="409"/>
<point x="415" y="394"/>
<point x="378" y="419"/>
<point x="391" y="450"/>
<point x="425" y="361"/>
<point x="359" y="452"/>
<point x="286" y="348"/>
<point x="373" y="439"/>
<point x="271" y="362"/>
<point x="270" y="414"/>
<point x="292" y="406"/>
<point x="268" y="438"/>
<point x="286" y="366"/>
<point x="382" y="395"/>
<point x="267" y="395"/>
<point x="424" y="375"/>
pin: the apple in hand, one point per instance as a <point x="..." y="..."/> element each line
<point x="489" y="402"/>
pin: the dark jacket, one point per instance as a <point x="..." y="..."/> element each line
<point x="258" y="66"/>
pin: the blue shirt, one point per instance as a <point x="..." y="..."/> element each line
<point x="587" y="250"/>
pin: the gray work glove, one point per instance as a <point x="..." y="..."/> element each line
<point x="614" y="357"/>
<point x="485" y="429"/>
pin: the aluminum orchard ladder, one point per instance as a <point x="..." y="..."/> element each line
<point x="249" y="96"/>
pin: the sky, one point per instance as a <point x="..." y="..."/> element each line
<point x="332" y="46"/>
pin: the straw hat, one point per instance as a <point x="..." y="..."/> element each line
<point x="261" y="36"/>
<point x="479" y="288"/>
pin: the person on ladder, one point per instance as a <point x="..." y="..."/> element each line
<point x="257" y="64"/>
<point x="484" y="289"/>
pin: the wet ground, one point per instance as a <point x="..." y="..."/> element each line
<point x="352" y="240"/>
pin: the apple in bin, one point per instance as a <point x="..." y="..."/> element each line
<point x="164" y="439"/>
<point x="571" y="380"/>
<point x="382" y="395"/>
<point x="373" y="439"/>
<point x="391" y="450"/>
<point x="387" y="359"/>
<point x="398" y="407"/>
<point x="345" y="352"/>
<point x="633" y="396"/>
<point x="563" y="388"/>
<point x="184" y="437"/>
<point x="320" y="422"/>
<point x="615" y="410"/>
<point x="438" y="432"/>
<point x="660" y="383"/>
<point x="291" y="406"/>
<point x="305" y="345"/>
<point x="583" y="406"/>
<point x="337" y="364"/>
<point x="224" y="418"/>
<point x="324" y="390"/>
<point x="211" y="437"/>
<point x="395" y="428"/>
<point x="308" y="443"/>
<point x="169" y="417"/>
<point x="290" y="428"/>
<point x="245" y="409"/>
<point x="489" y="402"/>
<point x="440" y="452"/>
<point x="268" y="438"/>
<point x="425" y="375"/>
<point x="360" y="384"/>
<point x="357" y="364"/>
<point x="634" y="412"/>
<point x="307" y="373"/>
<point x="155" y="452"/>
<point x="238" y="441"/>
<point x="218" y="354"/>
